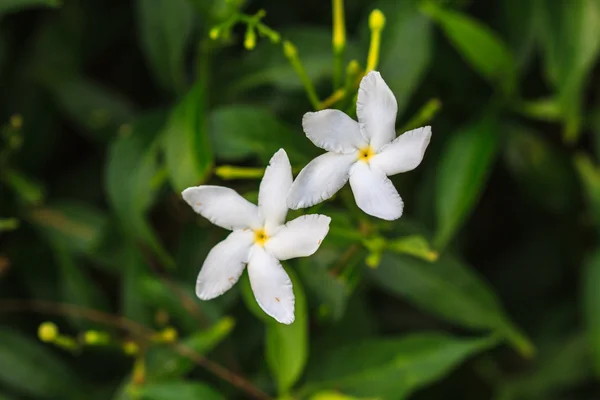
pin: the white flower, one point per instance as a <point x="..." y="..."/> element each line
<point x="260" y="238"/>
<point x="365" y="152"/>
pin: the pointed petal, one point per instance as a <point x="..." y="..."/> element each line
<point x="320" y="179"/>
<point x="271" y="285"/>
<point x="374" y="192"/>
<point x="405" y="153"/>
<point x="333" y="130"/>
<point x="300" y="237"/>
<point x="274" y="188"/>
<point x="224" y="265"/>
<point x="222" y="206"/>
<point x="376" y="109"/>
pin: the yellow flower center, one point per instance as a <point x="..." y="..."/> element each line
<point x="260" y="237"/>
<point x="365" y="154"/>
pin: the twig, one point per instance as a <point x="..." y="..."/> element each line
<point x="135" y="329"/>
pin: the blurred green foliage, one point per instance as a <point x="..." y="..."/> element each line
<point x="487" y="288"/>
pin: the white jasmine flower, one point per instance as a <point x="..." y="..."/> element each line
<point x="260" y="238"/>
<point x="365" y="152"/>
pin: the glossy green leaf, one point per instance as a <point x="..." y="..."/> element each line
<point x="19" y="5"/>
<point x="286" y="345"/>
<point x="591" y="302"/>
<point x="465" y="164"/>
<point x="185" y="141"/>
<point x="479" y="45"/>
<point x="392" y="367"/>
<point x="164" y="365"/>
<point x="571" y="43"/>
<point x="130" y="180"/>
<point x="451" y="290"/>
<point x="31" y="368"/>
<point x="164" y="28"/>
<point x="75" y="226"/>
<point x="239" y="132"/>
<point x="405" y="27"/>
<point x="95" y="108"/>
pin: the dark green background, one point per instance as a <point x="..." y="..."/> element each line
<point x="125" y="103"/>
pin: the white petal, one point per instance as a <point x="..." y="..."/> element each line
<point x="374" y="192"/>
<point x="376" y="109"/>
<point x="274" y="188"/>
<point x="405" y="153"/>
<point x="333" y="130"/>
<point x="300" y="237"/>
<point x="224" y="265"/>
<point x="222" y="206"/>
<point x="320" y="179"/>
<point x="271" y="285"/>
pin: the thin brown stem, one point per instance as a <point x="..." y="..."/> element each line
<point x="135" y="329"/>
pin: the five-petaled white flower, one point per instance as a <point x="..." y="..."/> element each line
<point x="365" y="152"/>
<point x="260" y="238"/>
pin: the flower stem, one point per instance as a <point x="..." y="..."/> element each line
<point x="291" y="53"/>
<point x="135" y="329"/>
<point x="339" y="43"/>
<point x="376" y="24"/>
<point x="424" y="115"/>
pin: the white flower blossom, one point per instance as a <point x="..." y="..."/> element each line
<point x="365" y="152"/>
<point x="260" y="238"/>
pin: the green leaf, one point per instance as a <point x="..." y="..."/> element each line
<point x="548" y="109"/>
<point x="164" y="28"/>
<point x="571" y="43"/>
<point x="163" y="364"/>
<point x="239" y="132"/>
<point x="19" y="5"/>
<point x="75" y="226"/>
<point x="179" y="391"/>
<point x="392" y="368"/>
<point x="414" y="245"/>
<point x="449" y="289"/>
<point x="185" y="140"/>
<point x="331" y="395"/>
<point x="405" y="28"/>
<point x="589" y="175"/>
<point x="331" y="291"/>
<point x="32" y="369"/>
<point x="286" y="345"/>
<point x="479" y="45"/>
<point x="130" y="180"/>
<point x="463" y="169"/>
<point x="591" y="302"/>
<point x="94" y="108"/>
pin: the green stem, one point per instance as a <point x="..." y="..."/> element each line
<point x="291" y="53"/>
